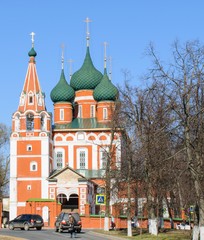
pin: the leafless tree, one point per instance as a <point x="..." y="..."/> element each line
<point x="184" y="78"/>
<point x="4" y="159"/>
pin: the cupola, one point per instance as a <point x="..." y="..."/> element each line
<point x="62" y="92"/>
<point x="105" y="90"/>
<point x="87" y="77"/>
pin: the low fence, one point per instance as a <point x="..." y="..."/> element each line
<point x="97" y="222"/>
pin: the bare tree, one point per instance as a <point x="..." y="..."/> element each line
<point x="185" y="82"/>
<point x="4" y="159"/>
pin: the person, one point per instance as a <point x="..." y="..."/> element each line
<point x="71" y="226"/>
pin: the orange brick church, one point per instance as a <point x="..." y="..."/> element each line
<point x="61" y="158"/>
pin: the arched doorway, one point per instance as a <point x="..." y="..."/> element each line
<point x="71" y="205"/>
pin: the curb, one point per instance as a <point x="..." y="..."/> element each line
<point x="106" y="235"/>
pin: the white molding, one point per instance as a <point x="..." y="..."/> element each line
<point x="83" y="98"/>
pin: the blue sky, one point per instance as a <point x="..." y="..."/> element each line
<point x="127" y="25"/>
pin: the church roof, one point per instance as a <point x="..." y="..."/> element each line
<point x="82" y="123"/>
<point x="58" y="172"/>
<point x="105" y="91"/>
<point x="32" y="53"/>
<point x="62" y="92"/>
<point x="87" y="77"/>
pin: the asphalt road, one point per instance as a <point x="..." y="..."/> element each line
<point x="50" y="234"/>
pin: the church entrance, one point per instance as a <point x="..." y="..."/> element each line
<point x="71" y="205"/>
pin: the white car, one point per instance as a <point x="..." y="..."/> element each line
<point x="183" y="226"/>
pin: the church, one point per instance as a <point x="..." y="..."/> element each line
<point x="61" y="156"/>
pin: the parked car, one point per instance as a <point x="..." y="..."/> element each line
<point x="62" y="222"/>
<point x="183" y="226"/>
<point x="26" y="221"/>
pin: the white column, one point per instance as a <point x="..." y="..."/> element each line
<point x="45" y="155"/>
<point x="13" y="179"/>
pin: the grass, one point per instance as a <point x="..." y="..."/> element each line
<point x="143" y="234"/>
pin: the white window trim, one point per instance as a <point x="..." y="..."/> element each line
<point x="29" y="147"/>
<point x="80" y="111"/>
<point x="30" y="94"/>
<point x="92" y="111"/>
<point x="105" y="113"/>
<point x="63" y="157"/>
<point x="86" y="157"/>
<point x="17" y="122"/>
<point x="61" y="114"/>
<point x="33" y="163"/>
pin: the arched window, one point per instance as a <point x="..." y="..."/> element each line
<point x="30" y="98"/>
<point x="29" y="122"/>
<point x="33" y="166"/>
<point x="29" y="147"/>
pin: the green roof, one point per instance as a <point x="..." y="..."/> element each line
<point x="82" y="123"/>
<point x="105" y="91"/>
<point x="62" y="92"/>
<point x="40" y="200"/>
<point x="32" y="53"/>
<point x="87" y="77"/>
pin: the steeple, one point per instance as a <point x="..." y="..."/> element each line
<point x="32" y="97"/>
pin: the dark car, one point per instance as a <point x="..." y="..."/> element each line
<point x="26" y="221"/>
<point x="62" y="222"/>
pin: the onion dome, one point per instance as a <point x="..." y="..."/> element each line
<point x="32" y="53"/>
<point x="105" y="91"/>
<point x="62" y="92"/>
<point x="87" y="77"/>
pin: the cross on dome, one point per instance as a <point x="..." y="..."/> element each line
<point x="87" y="20"/>
<point x="105" y="59"/>
<point x="62" y="46"/>
<point x="32" y="38"/>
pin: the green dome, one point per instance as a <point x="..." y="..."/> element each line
<point x="105" y="91"/>
<point x="32" y="53"/>
<point x="87" y="77"/>
<point x="62" y="92"/>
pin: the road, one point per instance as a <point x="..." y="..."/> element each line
<point x="50" y="234"/>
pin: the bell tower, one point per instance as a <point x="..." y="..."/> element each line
<point x="31" y="142"/>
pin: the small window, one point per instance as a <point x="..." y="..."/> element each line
<point x="105" y="113"/>
<point x="30" y="99"/>
<point x="28" y="187"/>
<point x="80" y="111"/>
<point x="61" y="114"/>
<point x="92" y="111"/>
<point x="33" y="166"/>
<point x="29" y="148"/>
